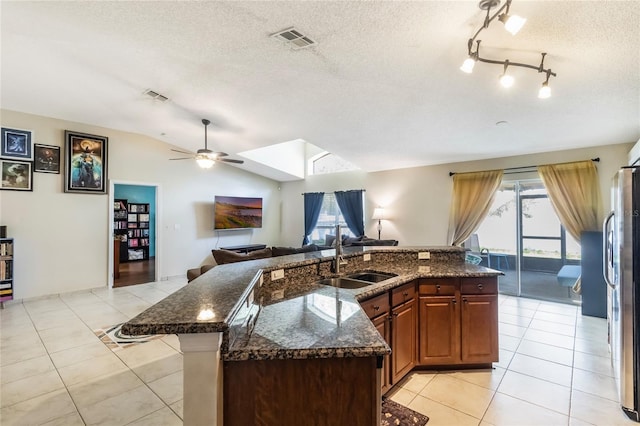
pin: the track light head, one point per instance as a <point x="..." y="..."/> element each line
<point x="512" y="23"/>
<point x="467" y="65"/>
<point x="506" y="80"/>
<point x="545" y="91"/>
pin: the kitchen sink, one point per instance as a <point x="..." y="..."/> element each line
<point x="371" y="277"/>
<point x="343" y="282"/>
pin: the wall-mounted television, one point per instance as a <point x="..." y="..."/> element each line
<point x="237" y="213"/>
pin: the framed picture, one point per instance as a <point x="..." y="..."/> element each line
<point x="16" y="175"/>
<point x="85" y="163"/>
<point x="16" y="143"/>
<point x="46" y="158"/>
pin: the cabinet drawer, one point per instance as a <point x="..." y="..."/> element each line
<point x="376" y="305"/>
<point x="480" y="285"/>
<point x="403" y="294"/>
<point x="438" y="287"/>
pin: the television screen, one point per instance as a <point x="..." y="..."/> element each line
<point x="237" y="212"/>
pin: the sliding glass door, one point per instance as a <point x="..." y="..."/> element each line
<point x="523" y="237"/>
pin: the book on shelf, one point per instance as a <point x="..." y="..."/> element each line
<point x="143" y="217"/>
<point x="5" y="292"/>
<point x="133" y="242"/>
<point x="5" y="286"/>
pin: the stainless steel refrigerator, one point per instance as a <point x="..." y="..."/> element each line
<point x="621" y="239"/>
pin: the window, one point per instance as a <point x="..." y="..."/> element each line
<point x="327" y="162"/>
<point x="330" y="216"/>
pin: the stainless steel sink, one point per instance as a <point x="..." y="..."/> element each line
<point x="343" y="282"/>
<point x="371" y="277"/>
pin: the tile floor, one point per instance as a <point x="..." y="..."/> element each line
<point x="554" y="368"/>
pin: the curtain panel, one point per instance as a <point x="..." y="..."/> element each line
<point x="574" y="192"/>
<point x="351" y="206"/>
<point x="473" y="194"/>
<point x="312" y="206"/>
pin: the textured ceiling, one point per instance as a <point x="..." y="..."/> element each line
<point x="381" y="88"/>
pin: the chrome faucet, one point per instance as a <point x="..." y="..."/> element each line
<point x="339" y="260"/>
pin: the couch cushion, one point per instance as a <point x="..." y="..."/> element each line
<point x="283" y="251"/>
<point x="227" y="256"/>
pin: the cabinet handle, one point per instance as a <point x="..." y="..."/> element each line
<point x="376" y="308"/>
<point x="405" y="294"/>
<point x="454" y="301"/>
<point x="465" y="300"/>
<point x="480" y="286"/>
<point x="395" y="314"/>
<point x="438" y="288"/>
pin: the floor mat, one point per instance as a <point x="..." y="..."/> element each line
<point x="399" y="415"/>
<point x="114" y="338"/>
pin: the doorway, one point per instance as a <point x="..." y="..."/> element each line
<point x="134" y="230"/>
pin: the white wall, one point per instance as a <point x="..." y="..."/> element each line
<point x="418" y="199"/>
<point x="62" y="240"/>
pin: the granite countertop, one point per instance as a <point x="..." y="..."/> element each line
<point x="326" y="322"/>
<point x="319" y="321"/>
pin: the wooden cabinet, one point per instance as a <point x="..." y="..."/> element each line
<point x="404" y="323"/>
<point x="377" y="309"/>
<point x="458" y="321"/>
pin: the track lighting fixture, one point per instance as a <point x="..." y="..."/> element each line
<point x="513" y="24"/>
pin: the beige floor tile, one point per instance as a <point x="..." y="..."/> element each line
<point x="163" y="417"/>
<point x="458" y="394"/>
<point x="80" y="353"/>
<point x="72" y="419"/>
<point x="514" y="319"/>
<point x="527" y="313"/>
<point x="67" y="339"/>
<point x="173" y="341"/>
<point x="553" y="339"/>
<point x="23" y="328"/>
<point x="556" y="318"/>
<point x="558" y="308"/>
<point x="596" y="364"/>
<point x="38" y="410"/>
<point x="597" y="323"/>
<point x="53" y="319"/>
<point x="158" y="368"/>
<point x="131" y="309"/>
<point x="29" y="387"/>
<point x="546" y="352"/>
<point x="511" y="330"/>
<point x="577" y="422"/>
<point x="177" y="408"/>
<point x="521" y="302"/>
<point x="441" y="415"/>
<point x="509" y="411"/>
<point x="596" y="410"/>
<point x="505" y="358"/>
<point x="401" y="396"/>
<point x="593" y="347"/>
<point x="509" y="343"/>
<point x="542" y="369"/>
<point x="489" y="378"/>
<point x="138" y="355"/>
<point x="90" y="369"/>
<point x="589" y="333"/>
<point x="18" y="353"/>
<point x="553" y="327"/>
<point x="595" y="384"/>
<point x="168" y="388"/>
<point x="79" y="298"/>
<point x="87" y="393"/>
<point x="23" y="369"/>
<point x="105" y="320"/>
<point x="47" y="304"/>
<point x="536" y="391"/>
<point x="417" y="380"/>
<point x="123" y="408"/>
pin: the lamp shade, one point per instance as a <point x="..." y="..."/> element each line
<point x="378" y="213"/>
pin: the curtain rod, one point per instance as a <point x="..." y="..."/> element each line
<point x="320" y="192"/>
<point x="511" y="170"/>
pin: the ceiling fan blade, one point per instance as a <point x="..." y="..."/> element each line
<point x="185" y="158"/>
<point x="182" y="152"/>
<point x="220" y="154"/>
<point x="230" y="160"/>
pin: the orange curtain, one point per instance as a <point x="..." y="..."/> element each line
<point x="473" y="194"/>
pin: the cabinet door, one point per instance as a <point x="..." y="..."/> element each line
<point x="382" y="325"/>
<point x="439" y="330"/>
<point x="404" y="321"/>
<point x="479" y="328"/>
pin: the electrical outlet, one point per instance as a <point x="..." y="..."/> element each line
<point x="424" y="269"/>
<point x="277" y="274"/>
<point x="366" y="257"/>
<point x="277" y="294"/>
<point x="424" y="255"/>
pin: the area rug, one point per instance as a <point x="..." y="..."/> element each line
<point x="114" y="338"/>
<point x="399" y="415"/>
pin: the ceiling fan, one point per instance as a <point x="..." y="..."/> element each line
<point x="205" y="157"/>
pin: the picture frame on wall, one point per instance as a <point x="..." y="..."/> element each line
<point x="46" y="158"/>
<point x="16" y="143"/>
<point x="86" y="161"/>
<point x="16" y="175"/>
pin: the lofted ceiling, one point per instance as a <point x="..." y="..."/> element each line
<point x="381" y="87"/>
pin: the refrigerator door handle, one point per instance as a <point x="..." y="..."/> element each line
<point x="605" y="250"/>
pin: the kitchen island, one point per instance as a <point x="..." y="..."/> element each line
<point x="267" y="324"/>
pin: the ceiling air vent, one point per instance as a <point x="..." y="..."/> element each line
<point x="294" y="38"/>
<point x="155" y="95"/>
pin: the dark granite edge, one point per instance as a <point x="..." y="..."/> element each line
<point x="308" y="353"/>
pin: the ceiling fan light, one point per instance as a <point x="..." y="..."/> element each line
<point x="205" y="162"/>
<point x="506" y="80"/>
<point x="512" y="23"/>
<point x="467" y="65"/>
<point x="545" y="91"/>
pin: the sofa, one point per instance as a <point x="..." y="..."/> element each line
<point x="223" y="257"/>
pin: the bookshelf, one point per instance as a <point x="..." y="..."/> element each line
<point x="6" y="270"/>
<point x="137" y="231"/>
<point x="120" y="226"/>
